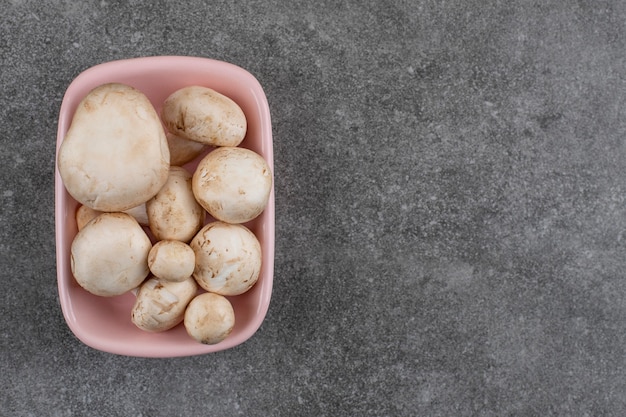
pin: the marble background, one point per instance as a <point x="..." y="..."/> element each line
<point x="450" y="209"/>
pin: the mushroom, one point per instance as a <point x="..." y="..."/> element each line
<point x="174" y="213"/>
<point x="183" y="150"/>
<point x="203" y="115"/>
<point x="160" y="304"/>
<point x="171" y="260"/>
<point x="85" y="214"/>
<point x="209" y="318"/>
<point x="109" y="256"/>
<point x="139" y="213"/>
<point x="228" y="258"/>
<point x="232" y="184"/>
<point x="115" y="154"/>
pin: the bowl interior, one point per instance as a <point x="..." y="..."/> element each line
<point x="104" y="322"/>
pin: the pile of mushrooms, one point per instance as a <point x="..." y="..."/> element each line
<point x="146" y="224"/>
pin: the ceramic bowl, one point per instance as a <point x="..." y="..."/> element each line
<point x="104" y="323"/>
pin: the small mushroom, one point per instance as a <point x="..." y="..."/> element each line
<point x="233" y="184"/>
<point x="228" y="258"/>
<point x="171" y="260"/>
<point x="139" y="213"/>
<point x="203" y="115"/>
<point x="109" y="256"/>
<point x="174" y="213"/>
<point x="209" y="318"/>
<point x="160" y="304"/>
<point x="85" y="214"/>
<point x="183" y="150"/>
<point x="115" y="154"/>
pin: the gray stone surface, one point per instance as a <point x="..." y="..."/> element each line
<point x="450" y="192"/>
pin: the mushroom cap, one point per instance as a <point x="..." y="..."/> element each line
<point x="115" y="154"/>
<point x="160" y="304"/>
<point x="233" y="184"/>
<point x="174" y="213"/>
<point x="171" y="260"/>
<point x="203" y="115"/>
<point x="109" y="256"/>
<point x="228" y="258"/>
<point x="84" y="215"/>
<point x="209" y="318"/>
<point x="139" y="213"/>
<point x="183" y="150"/>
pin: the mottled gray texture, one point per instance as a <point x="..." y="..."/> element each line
<point x="450" y="190"/>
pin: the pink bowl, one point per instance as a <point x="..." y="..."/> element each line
<point x="104" y="323"/>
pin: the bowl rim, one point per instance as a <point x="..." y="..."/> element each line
<point x="99" y="74"/>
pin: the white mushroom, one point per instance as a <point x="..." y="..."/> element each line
<point x="183" y="150"/>
<point x="174" y="213"/>
<point x="160" y="304"/>
<point x="233" y="184"/>
<point x="228" y="258"/>
<point x="85" y="214"/>
<point x="139" y="213"/>
<point x="203" y="115"/>
<point x="115" y="154"/>
<point x="171" y="260"/>
<point x="109" y="256"/>
<point x="209" y="318"/>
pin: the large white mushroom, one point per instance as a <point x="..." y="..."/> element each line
<point x="115" y="154"/>
<point x="109" y="255"/>
<point x="233" y="184"/>
<point x="228" y="258"/>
